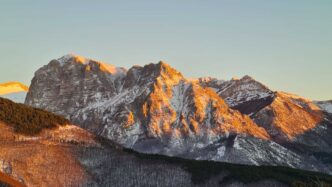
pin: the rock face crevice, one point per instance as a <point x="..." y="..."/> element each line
<point x="155" y="109"/>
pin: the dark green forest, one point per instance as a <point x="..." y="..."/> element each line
<point x="202" y="171"/>
<point x="27" y="120"/>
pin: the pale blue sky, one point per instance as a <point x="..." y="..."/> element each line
<point x="285" y="44"/>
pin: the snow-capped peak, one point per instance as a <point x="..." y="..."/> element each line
<point x="86" y="61"/>
<point x="12" y="87"/>
<point x="14" y="91"/>
<point x="69" y="57"/>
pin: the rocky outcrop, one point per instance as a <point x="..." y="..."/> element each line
<point x="154" y="109"/>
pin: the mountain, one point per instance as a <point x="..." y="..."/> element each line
<point x="283" y="115"/>
<point x="14" y="91"/>
<point x="61" y="154"/>
<point x="154" y="109"/>
<point x="298" y="124"/>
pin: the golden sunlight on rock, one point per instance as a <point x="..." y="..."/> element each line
<point x="130" y="120"/>
<point x="291" y="116"/>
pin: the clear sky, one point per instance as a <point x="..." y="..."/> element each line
<point x="285" y="44"/>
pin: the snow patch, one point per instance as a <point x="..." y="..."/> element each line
<point x="325" y="106"/>
<point x="221" y="151"/>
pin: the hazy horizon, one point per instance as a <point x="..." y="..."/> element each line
<point x="285" y="45"/>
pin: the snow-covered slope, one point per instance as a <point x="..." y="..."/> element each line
<point x="154" y="109"/>
<point x="14" y="91"/>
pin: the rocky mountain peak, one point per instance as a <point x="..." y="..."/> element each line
<point x="73" y="58"/>
<point x="247" y="78"/>
<point x="159" y="73"/>
<point x="167" y="71"/>
<point x="89" y="64"/>
<point x="150" y="103"/>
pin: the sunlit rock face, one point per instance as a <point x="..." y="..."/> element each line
<point x="287" y="117"/>
<point x="295" y="120"/>
<point x="154" y="109"/>
<point x="14" y="91"/>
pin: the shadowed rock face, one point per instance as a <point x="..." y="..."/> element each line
<point x="154" y="109"/>
<point x="288" y="117"/>
<point x="74" y="83"/>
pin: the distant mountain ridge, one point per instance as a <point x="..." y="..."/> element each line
<point x="154" y="109"/>
<point x="12" y="87"/>
<point x="14" y="91"/>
